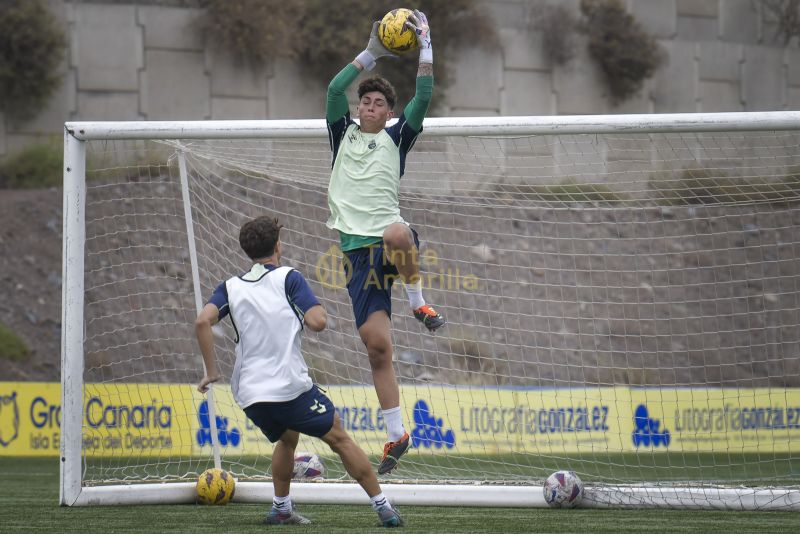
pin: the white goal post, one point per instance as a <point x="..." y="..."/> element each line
<point x="621" y="293"/>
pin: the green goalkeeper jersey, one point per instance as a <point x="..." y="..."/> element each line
<point x="363" y="193"/>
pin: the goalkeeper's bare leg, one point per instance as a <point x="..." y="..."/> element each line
<point x="376" y="334"/>
<point x="398" y="242"/>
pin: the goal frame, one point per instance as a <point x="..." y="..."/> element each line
<point x="76" y="134"/>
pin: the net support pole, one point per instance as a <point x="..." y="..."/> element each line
<point x="72" y="321"/>
<point x="198" y="294"/>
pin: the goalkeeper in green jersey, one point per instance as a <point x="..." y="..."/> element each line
<point x="368" y="161"/>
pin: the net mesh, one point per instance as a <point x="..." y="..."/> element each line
<point x="584" y="277"/>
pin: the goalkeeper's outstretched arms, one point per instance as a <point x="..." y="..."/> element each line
<point x="208" y="317"/>
<point x="337" y="106"/>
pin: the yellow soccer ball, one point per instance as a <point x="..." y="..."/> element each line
<point x="215" y="486"/>
<point x="394" y="34"/>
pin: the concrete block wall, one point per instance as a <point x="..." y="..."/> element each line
<point x="149" y="61"/>
<point x="720" y="55"/>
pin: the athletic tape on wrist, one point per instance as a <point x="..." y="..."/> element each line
<point x="366" y="59"/>
<point x="426" y="55"/>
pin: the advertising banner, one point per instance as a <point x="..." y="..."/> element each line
<point x="173" y="420"/>
<point x="118" y="419"/>
<point x="716" y="420"/>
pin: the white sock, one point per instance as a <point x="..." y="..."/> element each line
<point x="414" y="292"/>
<point x="379" y="500"/>
<point x="394" y="423"/>
<point x="283" y="504"/>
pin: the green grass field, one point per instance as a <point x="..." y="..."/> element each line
<point x="29" y="502"/>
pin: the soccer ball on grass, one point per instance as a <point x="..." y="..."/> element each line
<point x="563" y="489"/>
<point x="215" y="486"/>
<point x="394" y="34"/>
<point x="308" y="465"/>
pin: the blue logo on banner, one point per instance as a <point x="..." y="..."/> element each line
<point x="648" y="431"/>
<point x="9" y="419"/>
<point x="429" y="431"/>
<point x="234" y="436"/>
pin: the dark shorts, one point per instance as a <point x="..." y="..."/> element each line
<point x="311" y="413"/>
<point x="370" y="282"/>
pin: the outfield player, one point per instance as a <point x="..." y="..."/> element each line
<point x="268" y="306"/>
<point x="368" y="161"/>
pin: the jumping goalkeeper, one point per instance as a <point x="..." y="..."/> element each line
<point x="368" y="161"/>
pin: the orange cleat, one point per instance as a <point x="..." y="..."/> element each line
<point x="429" y="317"/>
<point x="392" y="452"/>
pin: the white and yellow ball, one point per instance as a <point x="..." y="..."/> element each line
<point x="394" y="34"/>
<point x="215" y="486"/>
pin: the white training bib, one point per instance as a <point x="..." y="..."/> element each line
<point x="269" y="365"/>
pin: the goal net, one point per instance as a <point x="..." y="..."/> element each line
<point x="621" y="295"/>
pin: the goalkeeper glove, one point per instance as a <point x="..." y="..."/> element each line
<point x="374" y="50"/>
<point x="419" y="23"/>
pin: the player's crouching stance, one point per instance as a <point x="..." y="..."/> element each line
<point x="268" y="306"/>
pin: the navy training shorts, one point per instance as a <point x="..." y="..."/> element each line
<point x="311" y="414"/>
<point x="370" y="276"/>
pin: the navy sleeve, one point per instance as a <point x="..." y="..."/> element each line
<point x="220" y="299"/>
<point x="299" y="294"/>
<point x="336" y="131"/>
<point x="404" y="136"/>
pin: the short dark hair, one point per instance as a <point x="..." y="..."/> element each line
<point x="380" y="84"/>
<point x="259" y="237"/>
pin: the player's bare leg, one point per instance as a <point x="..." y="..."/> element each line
<point x="402" y="251"/>
<point x="398" y="242"/>
<point x="357" y="465"/>
<point x="283" y="462"/>
<point x="376" y="333"/>
<point x="354" y="459"/>
<point x="282" y="512"/>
